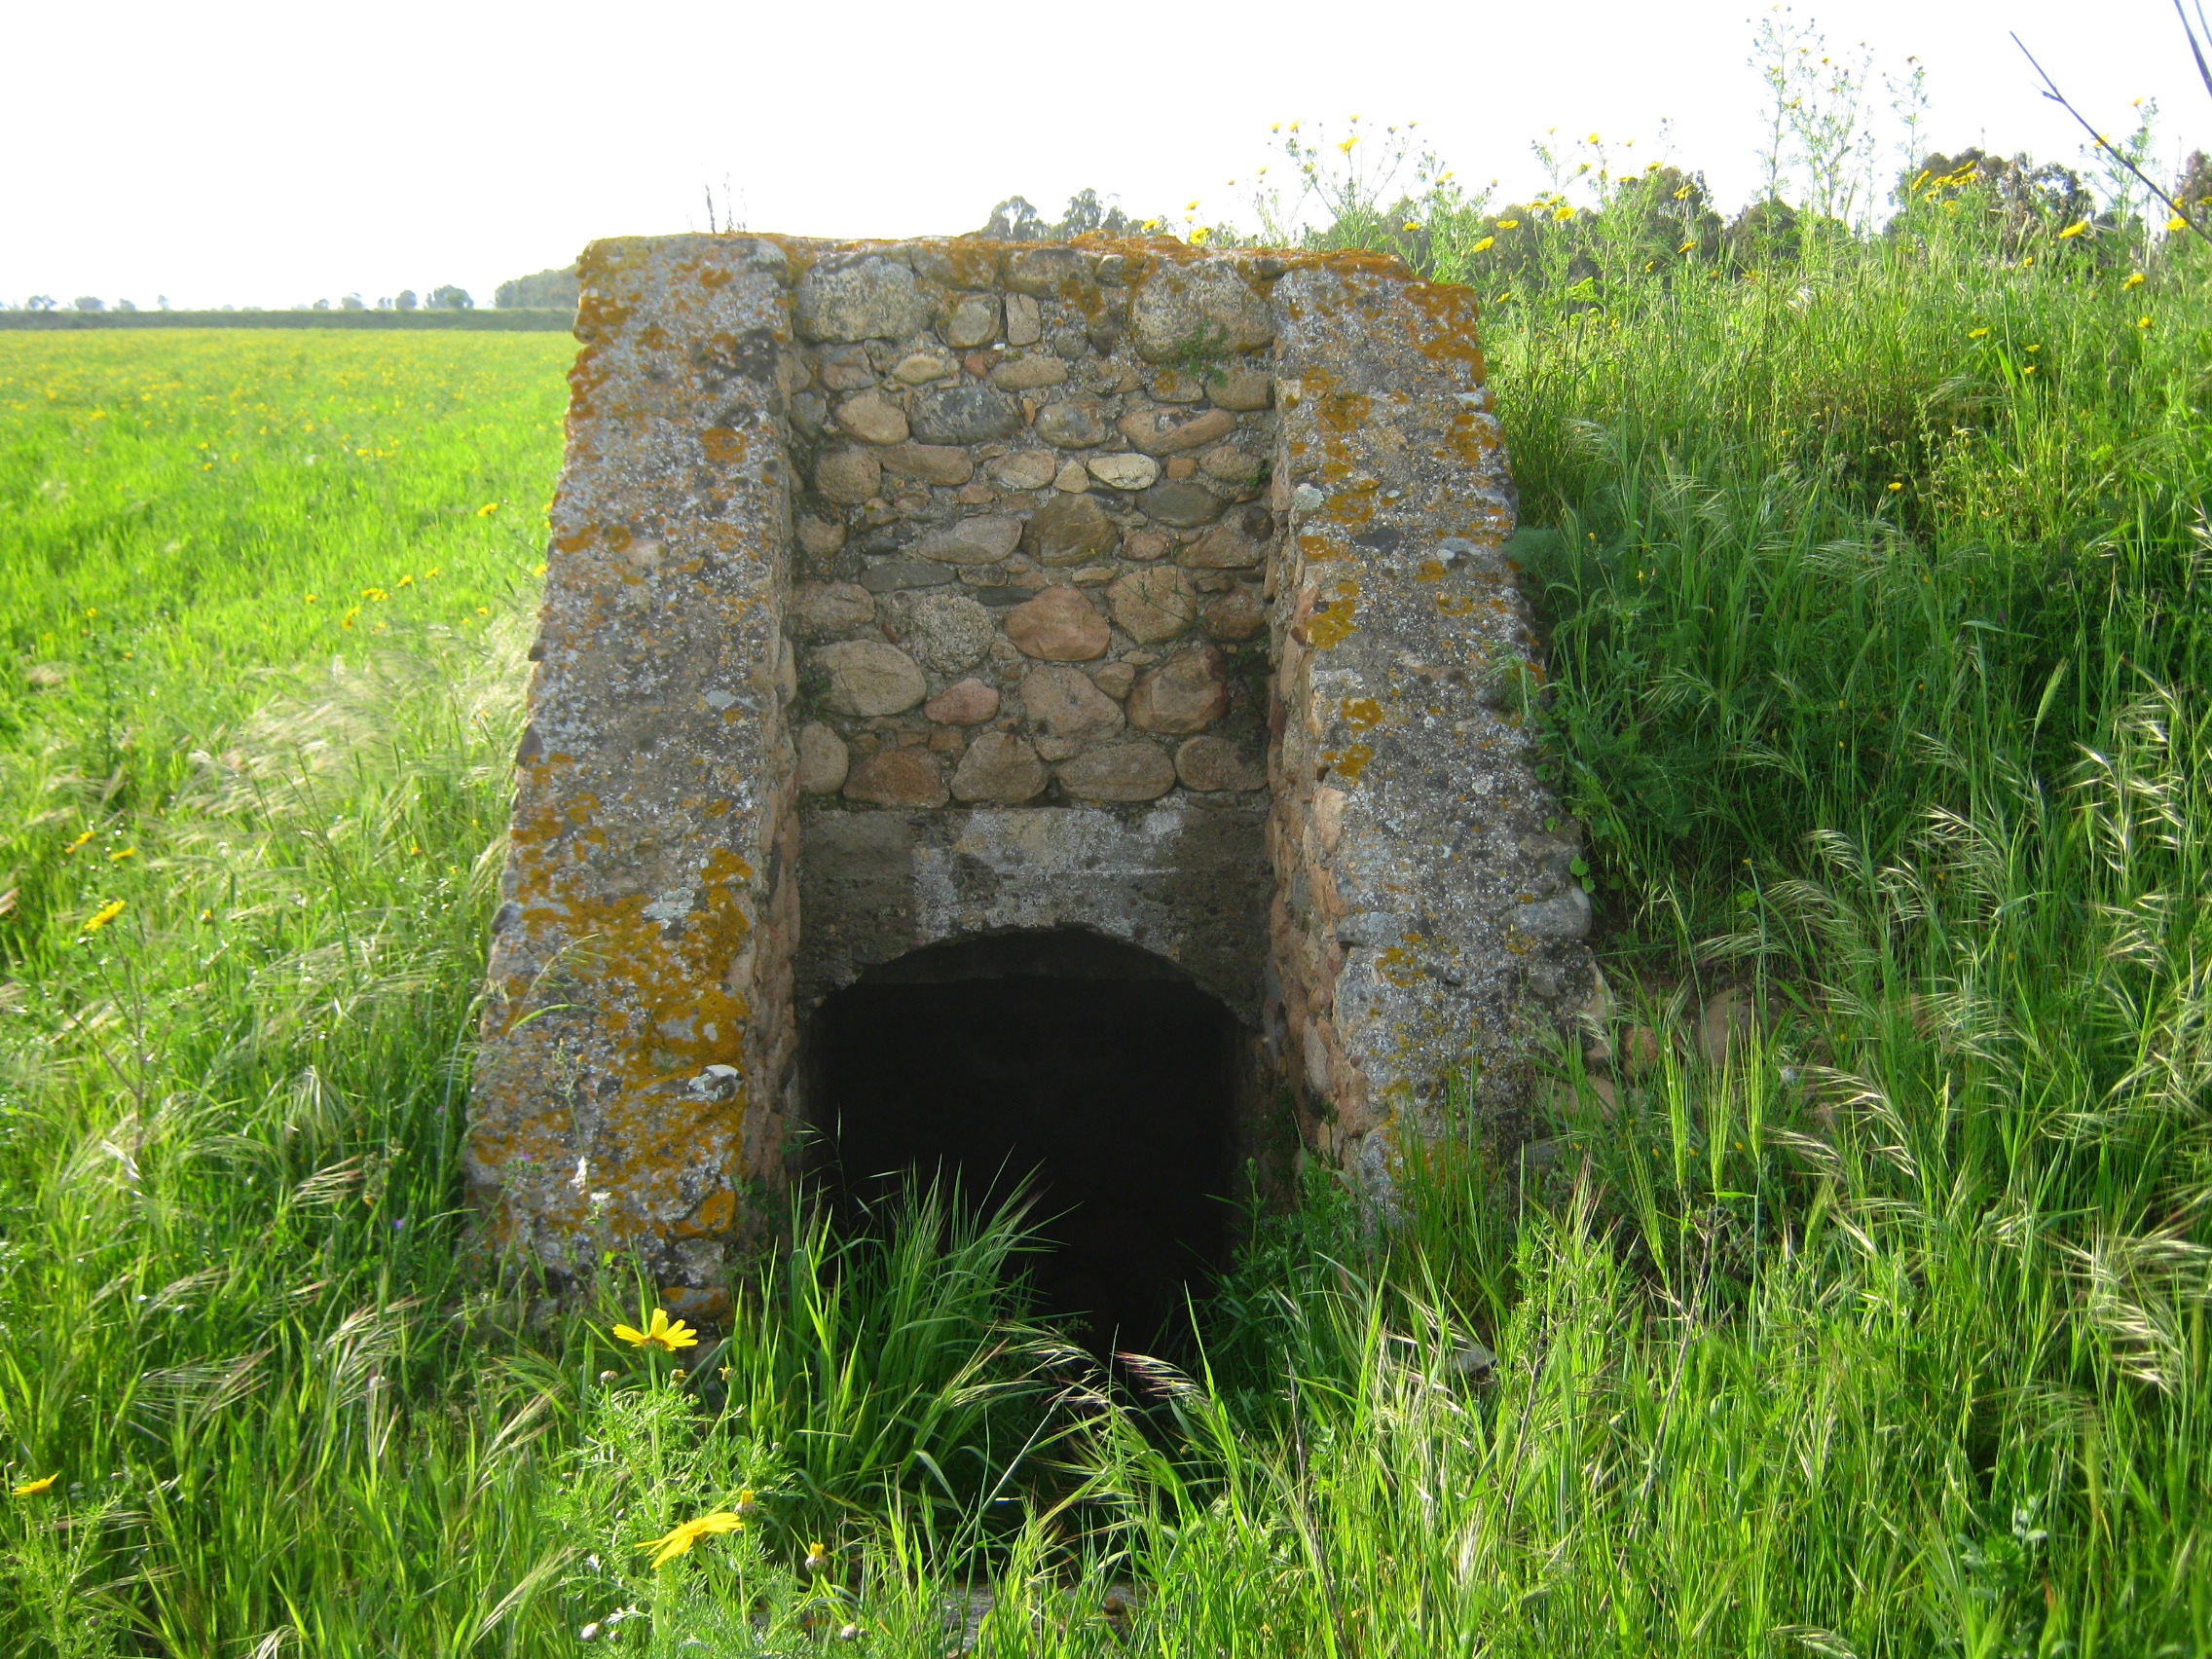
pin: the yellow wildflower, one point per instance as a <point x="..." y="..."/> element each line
<point x="1897" y="482"/>
<point x="1508" y="224"/>
<point x="817" y="1557"/>
<point x="126" y="853"/>
<point x="2074" y="230"/>
<point x="660" y="1332"/>
<point x="746" y="1502"/>
<point x="31" y="1487"/>
<point x="2177" y="222"/>
<point x="311" y="599"/>
<point x="486" y="510"/>
<point x="1686" y="246"/>
<point x="2134" y="281"/>
<point x="689" y="1533"/>
<point x="105" y="915"/>
<point x="1486" y="245"/>
<point x="1975" y="333"/>
<point x="374" y="593"/>
<point x="2142" y="323"/>
<point x="1347" y="145"/>
<point x="346" y="621"/>
<point x="79" y="841"/>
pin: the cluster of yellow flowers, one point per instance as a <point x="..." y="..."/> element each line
<point x="673" y="1336"/>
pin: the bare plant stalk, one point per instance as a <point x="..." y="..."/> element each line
<point x="2059" y="98"/>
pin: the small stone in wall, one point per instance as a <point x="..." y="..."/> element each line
<point x="1230" y="464"/>
<point x="1027" y="374"/>
<point x="1215" y="763"/>
<point x="1237" y="614"/>
<point x="984" y="541"/>
<point x="1153" y="604"/>
<point x="964" y="703"/>
<point x="999" y="768"/>
<point x="872" y="418"/>
<point x="1239" y="545"/>
<point x="1047" y="272"/>
<point x="1128" y="771"/>
<point x="1024" y="326"/>
<point x="974" y="321"/>
<point x="1071" y="425"/>
<point x="1115" y="678"/>
<point x="1024" y="469"/>
<point x="827" y="610"/>
<point x="932" y="463"/>
<point x="1072" y="477"/>
<point x="1059" y="625"/>
<point x="1145" y="544"/>
<point x="868" y="677"/>
<point x="1210" y="298"/>
<point x="862" y="296"/>
<point x="941" y="629"/>
<point x="898" y="777"/>
<point x="919" y="368"/>
<point x="818" y="537"/>
<point x="1188" y="693"/>
<point x="848" y="475"/>
<point x="1066" y="705"/>
<point x="895" y="574"/>
<point x="845" y="368"/>
<point x="1125" y="471"/>
<point x="969" y="413"/>
<point x="1181" y="503"/>
<point x="1172" y="431"/>
<point x="1242" y="389"/>
<point x="822" y="760"/>
<point x="1068" y="529"/>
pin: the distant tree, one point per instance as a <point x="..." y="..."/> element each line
<point x="89" y="303"/>
<point x="447" y="297"/>
<point x="1016" y="219"/>
<point x="352" y="302"/>
<point x="406" y="299"/>
<point x="320" y="304"/>
<point x="39" y="302"/>
<point x="162" y="301"/>
<point x="2020" y="201"/>
<point x="549" y="290"/>
<point x="127" y="305"/>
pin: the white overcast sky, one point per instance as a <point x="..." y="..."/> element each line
<point x="270" y="154"/>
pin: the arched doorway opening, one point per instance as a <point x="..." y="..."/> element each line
<point x="1087" y="1072"/>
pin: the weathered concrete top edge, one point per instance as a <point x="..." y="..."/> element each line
<point x="984" y="260"/>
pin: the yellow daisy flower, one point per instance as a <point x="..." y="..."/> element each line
<point x="660" y="1332"/>
<point x="29" y="1488"/>
<point x="689" y="1533"/>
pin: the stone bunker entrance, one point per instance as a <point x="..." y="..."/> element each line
<point x="1012" y="704"/>
<point x="1089" y="1076"/>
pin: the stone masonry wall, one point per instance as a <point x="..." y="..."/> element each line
<point x="905" y="592"/>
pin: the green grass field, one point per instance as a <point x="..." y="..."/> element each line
<point x="1877" y="592"/>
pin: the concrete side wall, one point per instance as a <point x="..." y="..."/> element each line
<point x="622" y="1091"/>
<point x="1425" y="918"/>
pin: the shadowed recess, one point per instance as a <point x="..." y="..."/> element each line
<point x="1090" y="1070"/>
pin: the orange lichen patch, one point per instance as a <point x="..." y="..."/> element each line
<point x="1430" y="571"/>
<point x="1397" y="966"/>
<point x="714" y="1214"/>
<point x="1361" y="714"/>
<point x="1342" y="413"/>
<point x="723" y="446"/>
<point x="1330" y="626"/>
<point x="1351" y="760"/>
<point x="1455" y="604"/>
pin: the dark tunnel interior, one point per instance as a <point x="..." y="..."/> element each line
<point x="1090" y="1069"/>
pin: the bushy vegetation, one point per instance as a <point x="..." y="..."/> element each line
<point x="1875" y="580"/>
